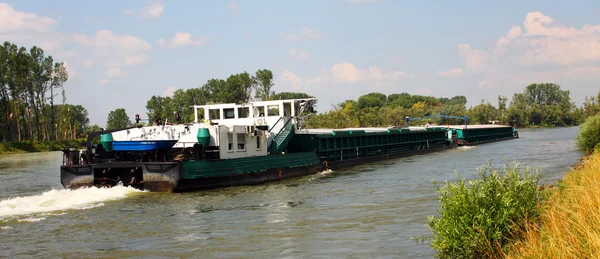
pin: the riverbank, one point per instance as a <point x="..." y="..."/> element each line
<point x="36" y="146"/>
<point x="569" y="225"/>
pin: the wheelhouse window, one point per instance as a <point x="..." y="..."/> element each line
<point x="257" y="142"/>
<point x="243" y="112"/>
<point x="259" y="111"/>
<point x="213" y="114"/>
<point x="287" y="109"/>
<point x="241" y="141"/>
<point x="273" y="110"/>
<point x="229" y="113"/>
<point x="230" y="141"/>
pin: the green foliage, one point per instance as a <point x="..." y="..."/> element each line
<point x="237" y="88"/>
<point x="377" y="110"/>
<point x="291" y="95"/>
<point x="478" y="218"/>
<point x="117" y="119"/>
<point x="38" y="146"/>
<point x="482" y="114"/>
<point x="588" y="138"/>
<point x="28" y="83"/>
<point x="264" y="84"/>
<point x="372" y="100"/>
<point x="591" y="106"/>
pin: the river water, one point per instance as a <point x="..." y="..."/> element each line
<point x="369" y="211"/>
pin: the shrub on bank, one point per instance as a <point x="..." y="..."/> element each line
<point x="479" y="217"/>
<point x="588" y="138"/>
<point x="37" y="146"/>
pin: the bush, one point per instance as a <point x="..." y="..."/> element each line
<point x="37" y="146"/>
<point x="478" y="218"/>
<point x="588" y="138"/>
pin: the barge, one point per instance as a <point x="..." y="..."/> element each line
<point x="244" y="144"/>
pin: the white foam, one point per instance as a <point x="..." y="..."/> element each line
<point x="60" y="200"/>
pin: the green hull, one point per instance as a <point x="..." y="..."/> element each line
<point x="237" y="166"/>
<point x="474" y="136"/>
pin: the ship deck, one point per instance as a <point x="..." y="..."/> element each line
<point x="412" y="128"/>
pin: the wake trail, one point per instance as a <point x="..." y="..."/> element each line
<point x="55" y="201"/>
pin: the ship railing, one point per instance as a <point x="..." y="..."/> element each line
<point x="286" y="129"/>
<point x="279" y="121"/>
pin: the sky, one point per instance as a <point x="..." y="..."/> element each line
<point x="120" y="53"/>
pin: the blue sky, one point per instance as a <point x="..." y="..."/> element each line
<point x="120" y="53"/>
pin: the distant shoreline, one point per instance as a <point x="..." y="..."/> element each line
<point x="24" y="147"/>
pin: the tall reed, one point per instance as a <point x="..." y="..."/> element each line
<point x="570" y="221"/>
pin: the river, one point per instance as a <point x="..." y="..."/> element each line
<point x="369" y="211"/>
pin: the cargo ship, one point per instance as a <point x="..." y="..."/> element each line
<point x="245" y="144"/>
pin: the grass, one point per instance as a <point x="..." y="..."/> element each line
<point x="569" y="225"/>
<point x="36" y="146"/>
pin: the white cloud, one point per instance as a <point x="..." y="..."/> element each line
<point x="547" y="43"/>
<point x="30" y="29"/>
<point x="233" y="7"/>
<point x="114" y="50"/>
<point x="113" y="72"/>
<point x="151" y="11"/>
<point x="453" y="72"/>
<point x="475" y="60"/>
<point x="288" y="78"/>
<point x="584" y="72"/>
<point x="304" y="34"/>
<point x="541" y="49"/>
<point x="512" y="34"/>
<point x="12" y="21"/>
<point x="299" y="55"/>
<point x="182" y="39"/>
<point x="348" y="73"/>
<point x="103" y="82"/>
<point x="88" y="62"/>
<point x="106" y="41"/>
<point x="169" y="91"/>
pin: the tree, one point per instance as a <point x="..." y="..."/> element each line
<point x="482" y="113"/>
<point x="117" y="119"/>
<point x="372" y="100"/>
<point x="264" y="82"/>
<point x="27" y="82"/>
<point x="59" y="77"/>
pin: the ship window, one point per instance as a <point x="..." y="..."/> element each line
<point x="229" y="113"/>
<point x="243" y="112"/>
<point x="259" y="111"/>
<point x="241" y="141"/>
<point x="213" y="114"/>
<point x="257" y="142"/>
<point x="287" y="109"/>
<point x="230" y="141"/>
<point x="273" y="110"/>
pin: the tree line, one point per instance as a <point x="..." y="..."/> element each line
<point x="30" y="82"/>
<point x="544" y="104"/>
<point x="237" y="88"/>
